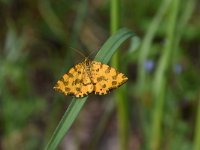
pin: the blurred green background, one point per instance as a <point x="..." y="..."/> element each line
<point x="162" y="95"/>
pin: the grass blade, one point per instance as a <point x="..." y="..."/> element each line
<point x="160" y="79"/>
<point x="120" y="96"/>
<point x="147" y="42"/>
<point x="104" y="55"/>
<point x="109" y="48"/>
<point x="66" y="121"/>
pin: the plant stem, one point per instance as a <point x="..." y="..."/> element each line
<point x="114" y="25"/>
<point x="160" y="78"/>
<point x="120" y="94"/>
<point x="146" y="44"/>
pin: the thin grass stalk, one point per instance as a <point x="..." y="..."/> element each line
<point x="114" y="16"/>
<point x="160" y="78"/>
<point x="114" y="25"/>
<point x="197" y="129"/>
<point x="120" y="94"/>
<point x="186" y="15"/>
<point x="122" y="108"/>
<point x="143" y="56"/>
<point x="147" y="42"/>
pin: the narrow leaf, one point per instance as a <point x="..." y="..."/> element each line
<point x="104" y="55"/>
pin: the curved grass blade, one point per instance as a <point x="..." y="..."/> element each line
<point x="111" y="45"/>
<point x="104" y="55"/>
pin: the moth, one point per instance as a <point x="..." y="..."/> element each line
<point x="90" y="77"/>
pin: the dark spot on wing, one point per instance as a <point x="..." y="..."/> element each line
<point x="70" y="75"/>
<point x="114" y="82"/>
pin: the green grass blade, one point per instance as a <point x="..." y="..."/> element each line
<point x="121" y="103"/>
<point x="147" y="42"/>
<point x="66" y="121"/>
<point x="160" y="79"/>
<point x="109" y="48"/>
<point x="104" y="55"/>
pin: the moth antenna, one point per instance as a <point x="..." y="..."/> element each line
<point x="91" y="53"/>
<point x="78" y="52"/>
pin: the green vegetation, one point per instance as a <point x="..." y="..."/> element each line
<point x="155" y="43"/>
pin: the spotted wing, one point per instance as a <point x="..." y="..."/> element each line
<point x="76" y="82"/>
<point x="105" y="78"/>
